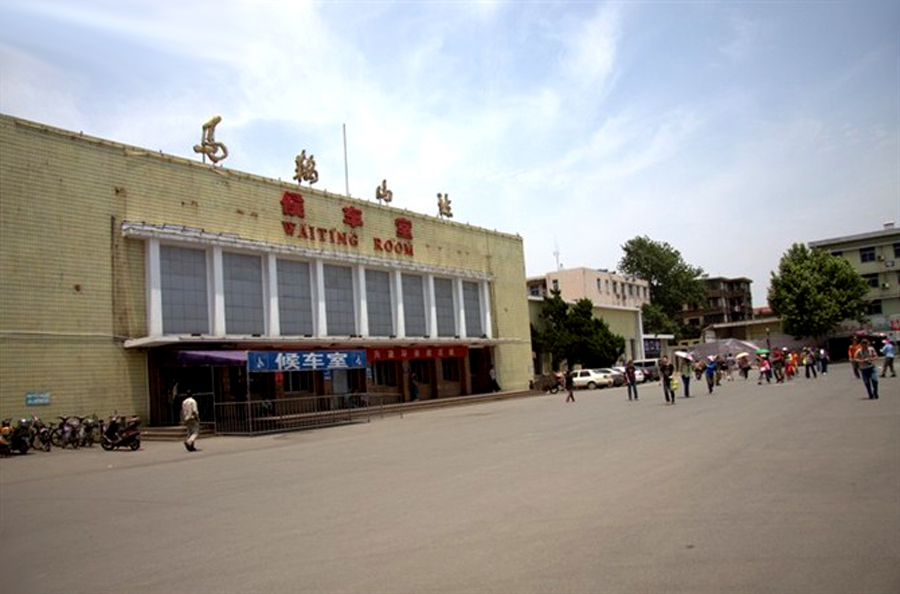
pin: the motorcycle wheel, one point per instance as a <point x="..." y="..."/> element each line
<point x="136" y="443"/>
<point x="106" y="445"/>
<point x="45" y="443"/>
<point x="56" y="438"/>
<point x="23" y="447"/>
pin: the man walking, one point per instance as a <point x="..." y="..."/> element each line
<point x="631" y="380"/>
<point x="190" y="416"/>
<point x="888" y="352"/>
<point x="851" y="354"/>
<point x="570" y="386"/>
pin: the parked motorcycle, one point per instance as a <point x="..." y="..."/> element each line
<point x="68" y="432"/>
<point x="91" y="430"/>
<point x="40" y="434"/>
<point x="14" y="439"/>
<point x="120" y="434"/>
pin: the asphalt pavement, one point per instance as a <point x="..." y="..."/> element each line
<point x="772" y="488"/>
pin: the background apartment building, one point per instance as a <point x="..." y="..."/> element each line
<point x="727" y="300"/>
<point x="876" y="257"/>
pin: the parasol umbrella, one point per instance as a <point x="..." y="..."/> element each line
<point x="684" y="355"/>
<point x="741" y="355"/>
<point x="762" y="351"/>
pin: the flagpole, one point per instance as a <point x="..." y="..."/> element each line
<point x="346" y="174"/>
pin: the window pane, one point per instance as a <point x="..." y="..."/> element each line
<point x="443" y="300"/>
<point x="378" y="303"/>
<point x="867" y="254"/>
<point x="339" y="305"/>
<point x="473" y="309"/>
<point x="294" y="298"/>
<point x="413" y="305"/>
<point x="185" y="309"/>
<point x="242" y="277"/>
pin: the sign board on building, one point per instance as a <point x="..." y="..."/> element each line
<point x="37" y="398"/>
<point x="405" y="353"/>
<point x="305" y="360"/>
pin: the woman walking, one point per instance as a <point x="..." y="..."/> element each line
<point x="685" y="367"/>
<point x="865" y="362"/>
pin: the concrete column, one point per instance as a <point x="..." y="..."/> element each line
<point x="399" y="318"/>
<point x="320" y="322"/>
<point x="485" y="294"/>
<point x="430" y="307"/>
<point x="461" y="309"/>
<point x="362" y="313"/>
<point x="154" y="289"/>
<point x="270" y="278"/>
<point x="217" y="282"/>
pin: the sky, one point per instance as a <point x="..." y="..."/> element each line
<point x="729" y="130"/>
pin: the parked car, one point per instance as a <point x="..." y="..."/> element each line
<point x="650" y="367"/>
<point x="618" y="377"/>
<point x="591" y="378"/>
<point x="638" y="374"/>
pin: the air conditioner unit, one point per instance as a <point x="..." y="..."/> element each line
<point x="880" y="257"/>
<point x="885" y="285"/>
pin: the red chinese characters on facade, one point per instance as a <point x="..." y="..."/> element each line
<point x="353" y="216"/>
<point x="292" y="205"/>
<point x="404" y="228"/>
<point x="400" y="354"/>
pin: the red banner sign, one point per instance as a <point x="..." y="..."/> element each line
<point x="407" y="353"/>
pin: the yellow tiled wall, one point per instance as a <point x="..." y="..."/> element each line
<point x="73" y="288"/>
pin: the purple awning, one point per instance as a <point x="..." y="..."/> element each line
<point x="236" y="358"/>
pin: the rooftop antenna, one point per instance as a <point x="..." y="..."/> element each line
<point x="556" y="254"/>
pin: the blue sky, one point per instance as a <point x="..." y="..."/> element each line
<point x="729" y="130"/>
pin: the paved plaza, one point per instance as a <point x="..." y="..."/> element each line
<point x="773" y="488"/>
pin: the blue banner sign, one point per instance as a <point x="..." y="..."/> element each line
<point x="305" y="360"/>
<point x="37" y="398"/>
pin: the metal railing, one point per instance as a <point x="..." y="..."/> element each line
<point x="257" y="417"/>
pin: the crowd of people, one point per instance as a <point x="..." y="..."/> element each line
<point x="782" y="365"/>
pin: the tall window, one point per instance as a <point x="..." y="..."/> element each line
<point x="874" y="307"/>
<point x="242" y="277"/>
<point x="867" y="254"/>
<point x="378" y="303"/>
<point x="414" y="305"/>
<point x="443" y="301"/>
<point x="339" y="303"/>
<point x="185" y="309"/>
<point x="472" y="303"/>
<point x="294" y="298"/>
<point x="897" y="250"/>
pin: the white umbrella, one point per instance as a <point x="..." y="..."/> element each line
<point x="739" y="355"/>
<point x="684" y="355"/>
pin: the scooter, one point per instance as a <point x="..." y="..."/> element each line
<point x="119" y="434"/>
<point x="40" y="434"/>
<point x="15" y="439"/>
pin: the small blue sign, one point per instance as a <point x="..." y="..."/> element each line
<point x="37" y="398"/>
<point x="305" y="360"/>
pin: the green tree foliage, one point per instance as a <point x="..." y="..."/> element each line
<point x="673" y="282"/>
<point x="572" y="334"/>
<point x="814" y="291"/>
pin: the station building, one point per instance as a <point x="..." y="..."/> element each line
<point x="128" y="277"/>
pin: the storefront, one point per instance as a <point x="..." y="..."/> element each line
<point x="171" y="275"/>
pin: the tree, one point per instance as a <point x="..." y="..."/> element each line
<point x="592" y="343"/>
<point x="814" y="291"/>
<point x="673" y="282"/>
<point x="572" y="334"/>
